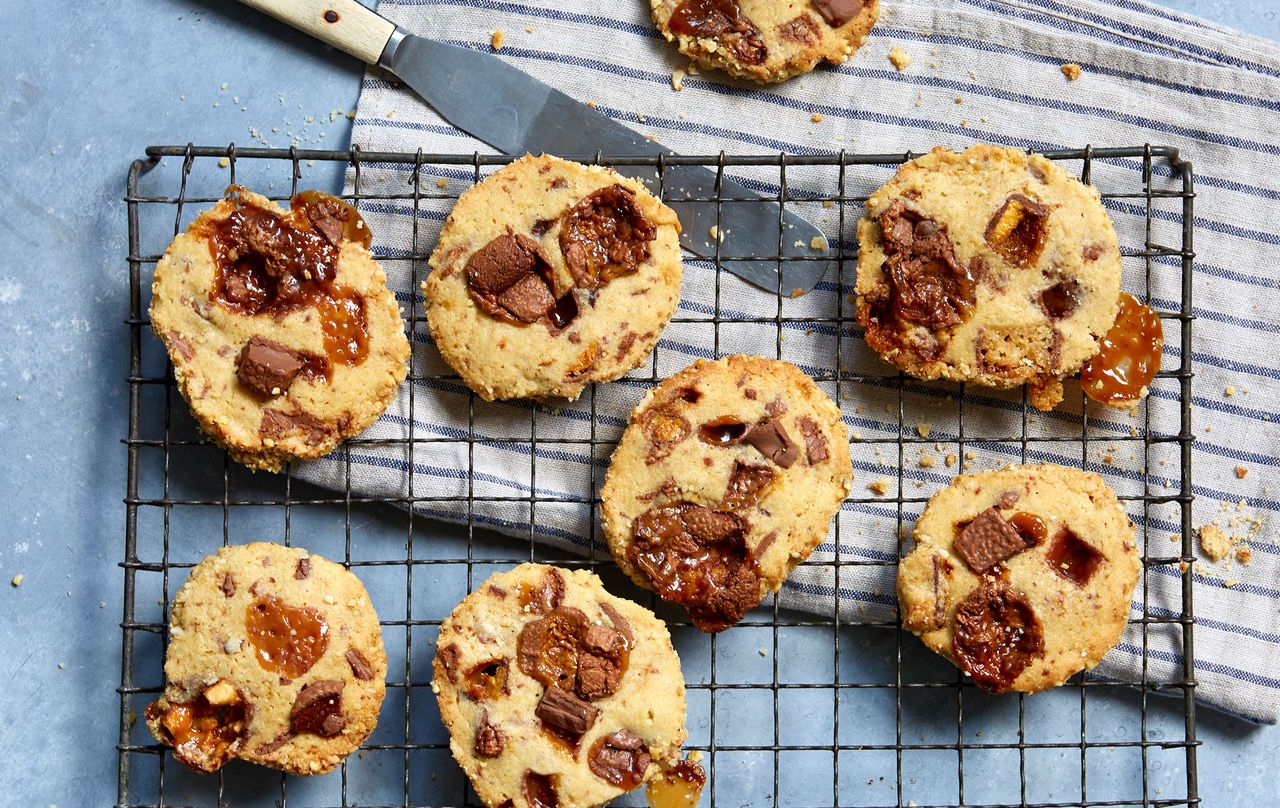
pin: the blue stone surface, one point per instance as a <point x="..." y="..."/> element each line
<point x="83" y="89"/>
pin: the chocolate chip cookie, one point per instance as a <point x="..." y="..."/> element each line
<point x="556" y="693"/>
<point x="765" y="40"/>
<point x="1022" y="576"/>
<point x="991" y="266"/>
<point x="726" y="478"/>
<point x="283" y="335"/>
<point x="275" y="657"/>
<point x="550" y="275"/>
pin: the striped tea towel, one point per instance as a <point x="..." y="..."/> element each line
<point x="980" y="70"/>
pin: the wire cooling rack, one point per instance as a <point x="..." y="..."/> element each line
<point x="787" y="708"/>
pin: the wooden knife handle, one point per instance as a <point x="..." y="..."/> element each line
<point x="344" y="24"/>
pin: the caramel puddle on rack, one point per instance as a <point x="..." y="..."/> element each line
<point x="677" y="787"/>
<point x="1129" y="357"/>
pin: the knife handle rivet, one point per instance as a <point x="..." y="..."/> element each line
<point x="331" y="16"/>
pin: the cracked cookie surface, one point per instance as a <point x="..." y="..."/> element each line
<point x="1022" y="577"/>
<point x="987" y="265"/>
<point x="725" y="479"/>
<point x="550" y="275"/>
<point x="556" y="693"/>
<point x="284" y="337"/>
<point x="275" y="656"/>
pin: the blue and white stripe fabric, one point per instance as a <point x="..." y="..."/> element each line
<point x="981" y="70"/>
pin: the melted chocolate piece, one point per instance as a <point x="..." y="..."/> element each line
<point x="987" y="540"/>
<point x="544" y="596"/>
<point x="273" y="265"/>
<point x="1017" y="230"/>
<point x="997" y="635"/>
<point x="801" y="29"/>
<point x="604" y="236"/>
<point x="449" y="658"/>
<point x="287" y="640"/>
<point x="566" y="713"/>
<point x="539" y="790"/>
<point x="317" y="709"/>
<point x="772" y="441"/>
<point x="926" y="285"/>
<point x="621" y="758"/>
<point x="565" y="650"/>
<point x="837" y="12"/>
<point x="228" y="586"/>
<point x="207" y="731"/>
<point x="487" y="680"/>
<point x="748" y="484"/>
<point x="723" y="431"/>
<point x="333" y="218"/>
<point x="1062" y="299"/>
<point x="1030" y="527"/>
<point x="722" y="20"/>
<point x="1072" y="557"/>
<point x="697" y="558"/>
<point x="302" y="569"/>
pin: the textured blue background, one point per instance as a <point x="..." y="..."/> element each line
<point x="81" y="94"/>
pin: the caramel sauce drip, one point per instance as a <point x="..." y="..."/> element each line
<point x="1030" y="527"/>
<point x="678" y="787"/>
<point x="1129" y="356"/>
<point x="488" y="680"/>
<point x="202" y="733"/>
<point x="286" y="639"/>
<point x="269" y="264"/>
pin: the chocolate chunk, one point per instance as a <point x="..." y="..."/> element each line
<point x="303" y="569"/>
<point x="664" y="427"/>
<point x="276" y="423"/>
<point x="748" y="484"/>
<point x="317" y="709"/>
<point x="1072" y="557"/>
<point x="765" y="542"/>
<point x="511" y="280"/>
<point x="1008" y="498"/>
<point x="1091" y="252"/>
<point x="603" y="641"/>
<point x="772" y="441"/>
<point x="815" y="442"/>
<point x="539" y="790"/>
<point x="566" y="712"/>
<point x="449" y="657"/>
<point x="722" y="20"/>
<point x="228" y="586"/>
<point x="619" y="622"/>
<point x="1018" y="229"/>
<point x="489" y="739"/>
<point x="926" y="285"/>
<point x="697" y="558"/>
<point x="837" y="12"/>
<point x="801" y="29"/>
<point x="942" y="569"/>
<point x="723" y="431"/>
<point x="597" y="677"/>
<point x="987" y="540"/>
<point x="605" y="235"/>
<point x="1062" y="299"/>
<point x="621" y="758"/>
<point x="266" y="367"/>
<point x="360" y="667"/>
<point x="776" y="407"/>
<point x="997" y="635"/>
<point x="544" y="596"/>
<point x="329" y="218"/>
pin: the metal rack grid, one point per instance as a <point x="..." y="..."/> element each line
<point x="164" y="479"/>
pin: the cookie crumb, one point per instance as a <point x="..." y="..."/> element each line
<point x="496" y="39"/>
<point x="17" y="580"/>
<point x="1072" y="71"/>
<point x="899" y="58"/>
<point x="797" y="292"/>
<point x="1230" y="582"/>
<point x="959" y="100"/>
<point x="1214" y="542"/>
<point x="715" y="233"/>
<point x="880" y="487"/>
<point x="926" y="462"/>
<point x="816" y="118"/>
<point x="1241" y="472"/>
<point x="1176" y="538"/>
<point x="232" y="645"/>
<point x="762" y="652"/>
<point x="968" y="455"/>
<point x="677" y="80"/>
<point x="442" y="183"/>
<point x="923" y="429"/>
<point x="828" y="203"/>
<point x="1244" y="554"/>
<point x="591" y="104"/>
<point x="817" y="243"/>
<point x="951" y="460"/>
<point x="224" y="162"/>
<point x="1230" y="391"/>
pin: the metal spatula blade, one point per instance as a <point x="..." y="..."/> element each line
<point x="515" y="113"/>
